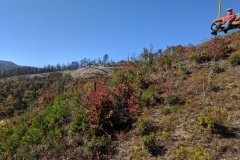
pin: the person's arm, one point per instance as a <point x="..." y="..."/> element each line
<point x="218" y="20"/>
<point x="233" y="18"/>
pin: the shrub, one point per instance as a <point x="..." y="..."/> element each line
<point x="166" y="110"/>
<point x="168" y="61"/>
<point x="234" y="59"/>
<point x="212" y="120"/>
<point x="183" y="69"/>
<point x="216" y="48"/>
<point x="133" y="79"/>
<point x="99" y="104"/>
<point x="154" y="69"/>
<point x="10" y="137"/>
<point x="198" y="58"/>
<point x="196" y="153"/>
<point x="80" y="121"/>
<point x="151" y="145"/>
<point x="122" y="76"/>
<point x="99" y="145"/>
<point x="33" y="135"/>
<point x="145" y="125"/>
<point x="207" y="122"/>
<point x="216" y="68"/>
<point x="25" y="153"/>
<point x="111" y="108"/>
<point x="54" y="138"/>
<point x="55" y="116"/>
<point x="172" y="100"/>
<point x="147" y="96"/>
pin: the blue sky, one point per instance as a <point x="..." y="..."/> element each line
<point x="40" y="32"/>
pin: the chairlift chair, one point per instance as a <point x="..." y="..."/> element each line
<point x="234" y="25"/>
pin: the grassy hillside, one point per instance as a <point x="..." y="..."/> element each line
<point x="183" y="104"/>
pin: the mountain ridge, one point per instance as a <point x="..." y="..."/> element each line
<point x="7" y="65"/>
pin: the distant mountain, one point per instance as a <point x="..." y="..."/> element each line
<point x="7" y="65"/>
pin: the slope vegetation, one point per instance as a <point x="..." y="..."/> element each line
<point x="183" y="104"/>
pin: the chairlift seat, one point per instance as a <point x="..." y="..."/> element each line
<point x="234" y="25"/>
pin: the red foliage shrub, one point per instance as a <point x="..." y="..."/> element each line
<point x="99" y="103"/>
<point x="126" y="93"/>
<point x="133" y="108"/>
<point x="105" y="105"/>
<point x="217" y="48"/>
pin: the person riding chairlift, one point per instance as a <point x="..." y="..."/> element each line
<point x="226" y="21"/>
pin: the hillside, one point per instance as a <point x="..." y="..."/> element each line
<point x="86" y="72"/>
<point x="180" y="105"/>
<point x="6" y="65"/>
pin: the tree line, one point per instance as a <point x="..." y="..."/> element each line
<point x="53" y="68"/>
<point x="146" y="55"/>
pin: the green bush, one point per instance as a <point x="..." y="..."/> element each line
<point x="145" y="125"/>
<point x="147" y="96"/>
<point x="212" y="118"/>
<point x="166" y="110"/>
<point x="206" y="121"/>
<point x="216" y="68"/>
<point x="53" y="117"/>
<point x="172" y="100"/>
<point x="5" y="151"/>
<point x="99" y="145"/>
<point x="151" y="145"/>
<point x="56" y="114"/>
<point x="154" y="69"/>
<point x="80" y="121"/>
<point x="196" y="153"/>
<point x="168" y="61"/>
<point x="183" y="69"/>
<point x="234" y="59"/>
<point x="121" y="76"/>
<point x="33" y="135"/>
<point x="214" y="121"/>
<point x="54" y="138"/>
<point x="11" y="137"/>
<point x="25" y="153"/>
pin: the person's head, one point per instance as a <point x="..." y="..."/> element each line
<point x="229" y="11"/>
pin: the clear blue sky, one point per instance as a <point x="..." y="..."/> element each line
<point x="39" y="32"/>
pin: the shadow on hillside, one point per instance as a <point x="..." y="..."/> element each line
<point x="158" y="151"/>
<point x="224" y="131"/>
<point x="114" y="126"/>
